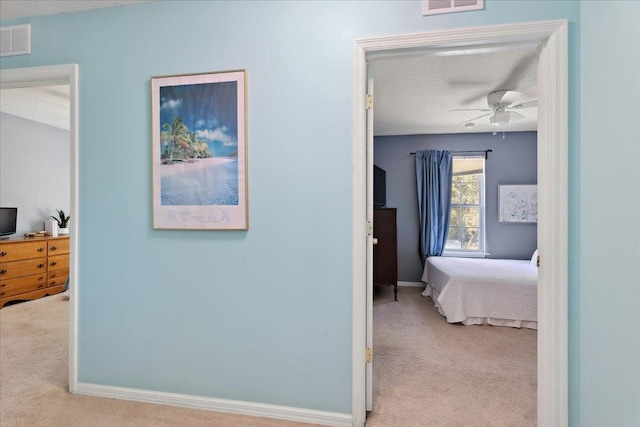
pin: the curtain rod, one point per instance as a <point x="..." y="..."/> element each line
<point x="486" y="152"/>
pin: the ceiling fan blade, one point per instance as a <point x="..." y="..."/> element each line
<point x="476" y="118"/>
<point x="529" y="104"/>
<point x="502" y="97"/>
<point x="471" y="109"/>
<point x="514" y="116"/>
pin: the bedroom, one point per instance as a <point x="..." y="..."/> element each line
<point x="406" y="91"/>
<point x="35" y="176"/>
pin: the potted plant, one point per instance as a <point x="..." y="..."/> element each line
<point x="63" y="222"/>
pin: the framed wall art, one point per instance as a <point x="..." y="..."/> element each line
<point x="199" y="151"/>
<point x="518" y="203"/>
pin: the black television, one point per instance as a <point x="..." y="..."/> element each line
<point x="379" y="187"/>
<point x="8" y="222"/>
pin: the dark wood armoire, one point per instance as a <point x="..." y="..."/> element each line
<point x="385" y="251"/>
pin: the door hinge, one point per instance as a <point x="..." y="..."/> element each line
<point x="538" y="261"/>
<point x="369" y="228"/>
<point x="369" y="101"/>
<point x="368" y="354"/>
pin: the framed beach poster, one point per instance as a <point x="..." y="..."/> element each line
<point x="518" y="203"/>
<point x="199" y="155"/>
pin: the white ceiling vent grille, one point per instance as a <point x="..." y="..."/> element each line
<point x="15" y="40"/>
<point x="433" y="7"/>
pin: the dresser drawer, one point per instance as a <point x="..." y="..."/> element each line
<point x="58" y="246"/>
<point x="27" y="267"/>
<point x="56" y="282"/>
<point x="22" y="250"/>
<point x="20" y="281"/>
<point x="57" y="274"/>
<point x="22" y="289"/>
<point x="58" y="262"/>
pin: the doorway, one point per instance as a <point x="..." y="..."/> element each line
<point x="552" y="183"/>
<point x="49" y="76"/>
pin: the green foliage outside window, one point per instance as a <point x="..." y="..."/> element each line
<point x="464" y="224"/>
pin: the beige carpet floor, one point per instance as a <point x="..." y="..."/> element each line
<point x="426" y="373"/>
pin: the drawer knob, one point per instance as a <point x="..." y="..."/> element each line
<point x="40" y="265"/>
<point x="52" y="263"/>
<point x="40" y="278"/>
<point x="40" y="249"/>
<point x="53" y="248"/>
<point x="53" y="283"/>
<point x="3" y="285"/>
<point x="1" y="294"/>
<point x="40" y="286"/>
<point x="3" y="253"/>
<point x="3" y="271"/>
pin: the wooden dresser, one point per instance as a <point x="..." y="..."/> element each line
<point x="31" y="268"/>
<point x="385" y="252"/>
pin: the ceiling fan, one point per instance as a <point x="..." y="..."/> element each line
<point x="501" y="106"/>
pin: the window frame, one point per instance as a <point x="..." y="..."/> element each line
<point x="481" y="252"/>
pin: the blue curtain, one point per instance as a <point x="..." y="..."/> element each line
<point x="434" y="172"/>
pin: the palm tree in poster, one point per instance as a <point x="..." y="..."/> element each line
<point x="176" y="134"/>
<point x="198" y="148"/>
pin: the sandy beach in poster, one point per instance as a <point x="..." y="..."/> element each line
<point x="192" y="165"/>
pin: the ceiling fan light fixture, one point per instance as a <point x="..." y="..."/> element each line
<point x="500" y="118"/>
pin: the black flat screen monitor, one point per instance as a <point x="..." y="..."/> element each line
<point x="8" y="221"/>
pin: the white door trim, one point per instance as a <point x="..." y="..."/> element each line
<point x="52" y="75"/>
<point x="552" y="36"/>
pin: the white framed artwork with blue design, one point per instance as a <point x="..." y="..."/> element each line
<point x="518" y="203"/>
<point x="199" y="151"/>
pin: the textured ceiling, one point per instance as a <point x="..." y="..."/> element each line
<point x="11" y="9"/>
<point x="414" y="95"/>
<point x="44" y="104"/>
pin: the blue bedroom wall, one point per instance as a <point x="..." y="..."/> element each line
<point x="234" y="315"/>
<point x="513" y="161"/>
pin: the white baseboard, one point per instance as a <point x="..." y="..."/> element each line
<point x="218" y="405"/>
<point x="412" y="284"/>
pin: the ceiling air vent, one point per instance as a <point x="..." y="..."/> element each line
<point x="15" y="40"/>
<point x="433" y="7"/>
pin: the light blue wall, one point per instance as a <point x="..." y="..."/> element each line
<point x="512" y="161"/>
<point x="610" y="209"/>
<point x="262" y="315"/>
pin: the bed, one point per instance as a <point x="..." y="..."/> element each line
<point x="500" y="292"/>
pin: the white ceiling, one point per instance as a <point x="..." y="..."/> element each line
<point x="45" y="104"/>
<point x="414" y="92"/>
<point x="11" y="9"/>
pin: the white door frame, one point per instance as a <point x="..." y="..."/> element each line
<point x="552" y="36"/>
<point x="60" y="75"/>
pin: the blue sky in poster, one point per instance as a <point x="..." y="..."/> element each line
<point x="208" y="109"/>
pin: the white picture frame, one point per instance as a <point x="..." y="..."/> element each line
<point x="518" y="203"/>
<point x="199" y="151"/>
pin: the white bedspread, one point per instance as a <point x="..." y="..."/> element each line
<point x="479" y="291"/>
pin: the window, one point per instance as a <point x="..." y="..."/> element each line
<point x="466" y="225"/>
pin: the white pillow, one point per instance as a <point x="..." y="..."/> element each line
<point x="534" y="258"/>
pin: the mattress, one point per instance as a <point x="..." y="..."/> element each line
<point x="475" y="291"/>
